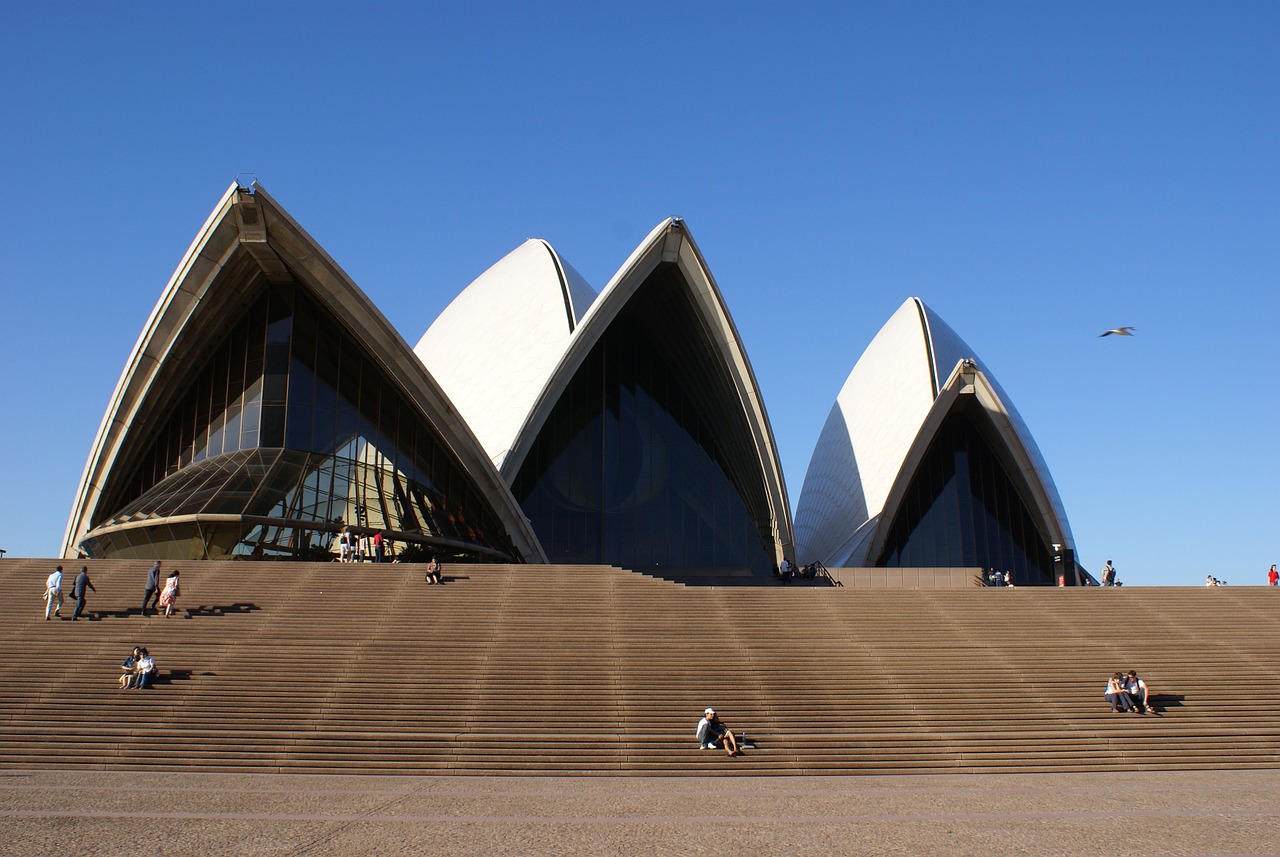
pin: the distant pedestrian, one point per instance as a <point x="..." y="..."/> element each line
<point x="53" y="594"/>
<point x="362" y="547"/>
<point x="1108" y="574"/>
<point x="379" y="550"/>
<point x="433" y="571"/>
<point x="152" y="592"/>
<point x="170" y="593"/>
<point x="344" y="545"/>
<point x="1008" y="579"/>
<point x="80" y="591"/>
<point x="1273" y="576"/>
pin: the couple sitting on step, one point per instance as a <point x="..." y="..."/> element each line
<point x="1128" y="693"/>
<point x="712" y="733"/>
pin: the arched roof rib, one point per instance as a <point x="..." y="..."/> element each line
<point x="249" y="229"/>
<point x="669" y="242"/>
<point x="888" y="410"/>
<point x="497" y="343"/>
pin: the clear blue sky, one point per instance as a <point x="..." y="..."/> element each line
<point x="1036" y="172"/>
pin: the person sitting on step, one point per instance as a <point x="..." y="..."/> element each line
<point x="145" y="671"/>
<point x="712" y="733"/>
<point x="1138" y="692"/>
<point x="1116" y="696"/>
<point x="128" y="666"/>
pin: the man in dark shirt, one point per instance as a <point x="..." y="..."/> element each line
<point x="81" y="590"/>
<point x="153" y="588"/>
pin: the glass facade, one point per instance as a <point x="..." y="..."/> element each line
<point x="293" y="429"/>
<point x="962" y="509"/>
<point x="647" y="458"/>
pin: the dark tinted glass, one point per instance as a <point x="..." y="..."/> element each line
<point x="963" y="510"/>
<point x="291" y="419"/>
<point x="647" y="459"/>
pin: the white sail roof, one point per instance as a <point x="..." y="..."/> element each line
<point x="887" y="401"/>
<point x="494" y="347"/>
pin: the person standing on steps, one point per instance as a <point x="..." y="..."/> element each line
<point x="1108" y="574"/>
<point x="1273" y="576"/>
<point x="53" y="594"/>
<point x="80" y="591"/>
<point x="433" y="571"/>
<point x="379" y="551"/>
<point x="152" y="592"/>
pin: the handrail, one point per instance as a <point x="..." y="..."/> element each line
<point x="818" y="569"/>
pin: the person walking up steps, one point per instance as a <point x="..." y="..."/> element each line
<point x="83" y="586"/>
<point x="170" y="594"/>
<point x="152" y="592"/>
<point x="53" y="594"/>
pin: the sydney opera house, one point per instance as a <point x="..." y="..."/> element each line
<point x="268" y="405"/>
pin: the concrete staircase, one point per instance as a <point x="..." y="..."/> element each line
<point x="321" y="668"/>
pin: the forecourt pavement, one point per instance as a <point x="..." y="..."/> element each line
<point x="1142" y="813"/>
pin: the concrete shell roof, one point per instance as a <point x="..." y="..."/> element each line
<point x="251" y="229"/>
<point x="495" y="346"/>
<point x="878" y="415"/>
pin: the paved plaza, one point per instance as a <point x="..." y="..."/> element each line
<point x="92" y="812"/>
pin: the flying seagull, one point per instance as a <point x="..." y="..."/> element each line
<point x="1118" y="331"/>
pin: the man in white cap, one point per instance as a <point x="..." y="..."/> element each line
<point x="712" y="732"/>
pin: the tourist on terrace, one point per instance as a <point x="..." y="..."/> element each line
<point x="1116" y="695"/>
<point x="1138" y="692"/>
<point x="712" y="733"/>
<point x="433" y="571"/>
<point x="1108" y="574"/>
<point x="1273" y="576"/>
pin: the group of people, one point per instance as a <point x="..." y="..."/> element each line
<point x="787" y="570"/>
<point x="353" y="547"/>
<point x="1128" y="693"/>
<point x="1210" y="580"/>
<point x="137" y="670"/>
<point x="997" y="578"/>
<point x="80" y="590"/>
<point x="168" y="594"/>
<point x="154" y="595"/>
